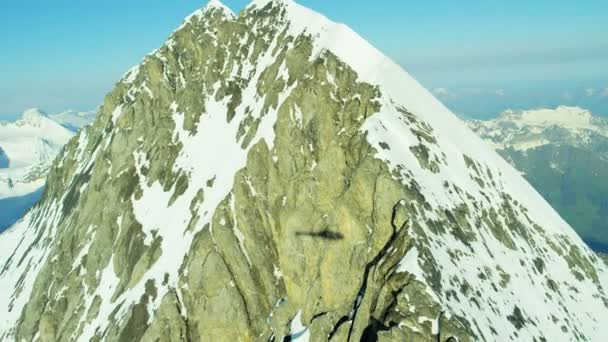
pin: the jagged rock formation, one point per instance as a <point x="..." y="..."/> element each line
<point x="563" y="153"/>
<point x="271" y="176"/>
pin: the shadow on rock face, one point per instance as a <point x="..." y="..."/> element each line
<point x="325" y="234"/>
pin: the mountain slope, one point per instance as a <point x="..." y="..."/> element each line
<point x="27" y="149"/>
<point x="564" y="154"/>
<point x="272" y="175"/>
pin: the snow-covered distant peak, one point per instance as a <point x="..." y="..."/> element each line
<point x="33" y="117"/>
<point x="33" y="113"/>
<point x="564" y="116"/>
<point x="29" y="146"/>
<point x="34" y="123"/>
<point x="38" y="123"/>
<point x="531" y="129"/>
<point x="74" y="120"/>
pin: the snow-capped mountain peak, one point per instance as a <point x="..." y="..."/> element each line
<point x="218" y="5"/>
<point x="33" y="113"/>
<point x="212" y="6"/>
<point x="276" y="168"/>
<point x="33" y="117"/>
<point x="34" y="124"/>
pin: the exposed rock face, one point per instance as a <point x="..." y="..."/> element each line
<point x="271" y="176"/>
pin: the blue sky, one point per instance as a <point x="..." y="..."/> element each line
<point x="480" y="57"/>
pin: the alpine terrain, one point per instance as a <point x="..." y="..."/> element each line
<point x="27" y="150"/>
<point x="270" y="176"/>
<point x="563" y="153"/>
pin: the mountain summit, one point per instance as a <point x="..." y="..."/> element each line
<point x="33" y="115"/>
<point x="272" y="176"/>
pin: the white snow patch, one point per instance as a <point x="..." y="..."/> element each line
<point x="116" y="114"/>
<point x="131" y="75"/>
<point x="237" y="232"/>
<point x="298" y="331"/>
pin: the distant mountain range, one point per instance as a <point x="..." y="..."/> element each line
<point x="28" y="146"/>
<point x="563" y="153"/>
